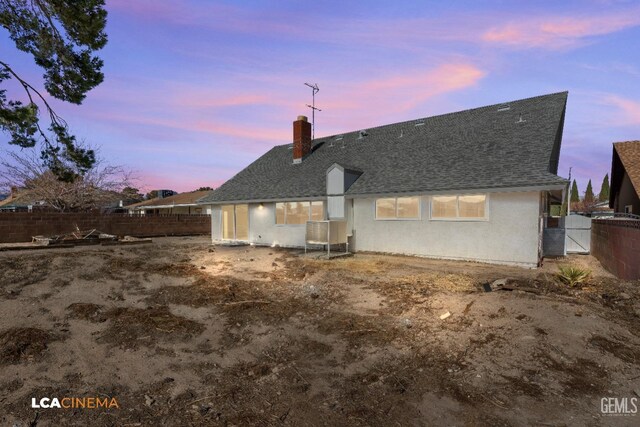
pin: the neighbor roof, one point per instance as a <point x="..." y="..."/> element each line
<point x="176" y="200"/>
<point x="513" y="144"/>
<point x="23" y="198"/>
<point x="626" y="157"/>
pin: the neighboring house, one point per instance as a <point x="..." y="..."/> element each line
<point x="625" y="178"/>
<point x="472" y="185"/>
<point x="183" y="203"/>
<point x="21" y="200"/>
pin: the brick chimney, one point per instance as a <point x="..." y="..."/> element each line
<point x="14" y="192"/>
<point x="301" y="139"/>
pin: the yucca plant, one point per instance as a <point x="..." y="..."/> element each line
<point x="572" y="275"/>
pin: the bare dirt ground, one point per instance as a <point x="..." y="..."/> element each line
<point x="182" y="333"/>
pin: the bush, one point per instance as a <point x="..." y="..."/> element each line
<point x="572" y="275"/>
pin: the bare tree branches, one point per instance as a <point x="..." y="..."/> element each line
<point x="99" y="187"/>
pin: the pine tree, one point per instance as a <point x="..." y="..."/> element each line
<point x="604" y="190"/>
<point x="588" y="194"/>
<point x="62" y="37"/>
<point x="575" y="196"/>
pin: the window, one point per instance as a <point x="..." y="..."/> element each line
<point x="459" y="207"/>
<point x="398" y="208"/>
<point x="628" y="209"/>
<point x="471" y="206"/>
<point x="317" y="211"/>
<point x="386" y="208"/>
<point x="444" y="207"/>
<point x="299" y="212"/>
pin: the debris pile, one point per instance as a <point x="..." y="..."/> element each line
<point x="85" y="237"/>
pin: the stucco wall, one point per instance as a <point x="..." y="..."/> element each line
<point x="510" y="235"/>
<point x="262" y="227"/>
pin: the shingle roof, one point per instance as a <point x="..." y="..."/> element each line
<point x="24" y="198"/>
<point x="177" y="199"/>
<point x="486" y="147"/>
<point x="628" y="156"/>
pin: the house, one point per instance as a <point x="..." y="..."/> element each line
<point x="624" y="196"/>
<point x="471" y="185"/>
<point x="183" y="203"/>
<point x="22" y="200"/>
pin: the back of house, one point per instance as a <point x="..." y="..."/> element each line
<point x="471" y="185"/>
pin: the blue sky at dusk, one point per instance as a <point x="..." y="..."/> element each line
<point x="196" y="90"/>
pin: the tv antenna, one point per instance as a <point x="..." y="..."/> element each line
<point x="314" y="89"/>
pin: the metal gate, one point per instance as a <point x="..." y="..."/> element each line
<point x="578" y="234"/>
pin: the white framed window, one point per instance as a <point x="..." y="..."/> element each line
<point x="295" y="213"/>
<point x="459" y="207"/>
<point x="398" y="208"/>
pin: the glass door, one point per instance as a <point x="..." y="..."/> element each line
<point x="235" y="222"/>
<point x="242" y="222"/>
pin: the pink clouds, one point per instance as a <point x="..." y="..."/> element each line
<point x="628" y="111"/>
<point x="559" y="32"/>
<point x="388" y="99"/>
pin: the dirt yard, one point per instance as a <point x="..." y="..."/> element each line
<point x="182" y="333"/>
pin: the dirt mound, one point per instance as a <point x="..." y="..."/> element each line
<point x="19" y="344"/>
<point x="87" y="311"/>
<point x="131" y="327"/>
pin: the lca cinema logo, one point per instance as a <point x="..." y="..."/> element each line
<point x="619" y="406"/>
<point x="74" y="403"/>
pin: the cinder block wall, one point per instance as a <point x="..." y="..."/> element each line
<point x="616" y="244"/>
<point x="21" y="226"/>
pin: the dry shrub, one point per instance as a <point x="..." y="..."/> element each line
<point x="87" y="311"/>
<point x="130" y="327"/>
<point x="18" y="344"/>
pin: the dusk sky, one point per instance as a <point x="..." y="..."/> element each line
<point x="196" y="90"/>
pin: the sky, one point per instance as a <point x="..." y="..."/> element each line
<point x="194" y="91"/>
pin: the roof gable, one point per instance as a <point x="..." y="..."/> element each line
<point x="626" y="157"/>
<point x="190" y="198"/>
<point x="504" y="145"/>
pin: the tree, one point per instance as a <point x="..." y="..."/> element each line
<point x="204" y="189"/>
<point x="588" y="194"/>
<point x="603" y="196"/>
<point x="96" y="188"/>
<point x="151" y="194"/>
<point x="62" y="37"/>
<point x="575" y="196"/>
<point x="132" y="194"/>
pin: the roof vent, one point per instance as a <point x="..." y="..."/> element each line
<point x="362" y="134"/>
<point x="504" y="107"/>
<point x="401" y="133"/>
<point x="520" y="119"/>
<point x="420" y="123"/>
<point x="339" y="137"/>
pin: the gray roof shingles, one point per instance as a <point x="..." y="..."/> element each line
<point x="481" y="148"/>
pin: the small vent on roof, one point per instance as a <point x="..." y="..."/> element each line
<point x="339" y="137"/>
<point x="420" y="123"/>
<point x="504" y="107"/>
<point x="520" y="119"/>
<point x="401" y="133"/>
<point x="362" y="134"/>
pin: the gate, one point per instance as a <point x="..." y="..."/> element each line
<point x="578" y="238"/>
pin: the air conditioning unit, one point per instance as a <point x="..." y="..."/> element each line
<point x="326" y="233"/>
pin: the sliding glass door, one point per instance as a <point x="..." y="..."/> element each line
<point x="235" y="222"/>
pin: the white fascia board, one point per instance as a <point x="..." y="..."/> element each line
<point x="284" y="199"/>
